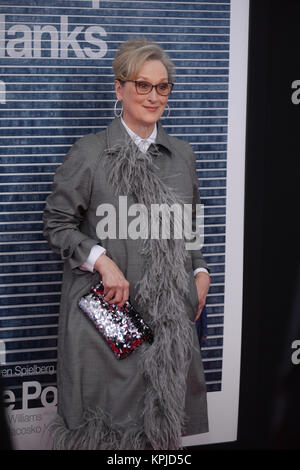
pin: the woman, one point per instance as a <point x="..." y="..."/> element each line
<point x="157" y="394"/>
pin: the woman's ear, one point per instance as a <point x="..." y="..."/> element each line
<point x="119" y="89"/>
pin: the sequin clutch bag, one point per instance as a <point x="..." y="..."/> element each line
<point x="122" y="327"/>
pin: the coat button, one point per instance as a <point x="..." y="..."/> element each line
<point x="66" y="253"/>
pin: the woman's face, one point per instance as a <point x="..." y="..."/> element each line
<point x="141" y="112"/>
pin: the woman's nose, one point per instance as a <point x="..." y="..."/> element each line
<point x="153" y="95"/>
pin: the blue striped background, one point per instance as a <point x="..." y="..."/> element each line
<point x="51" y="102"/>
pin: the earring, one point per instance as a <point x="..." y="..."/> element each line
<point x="116" y="111"/>
<point x="168" y="111"/>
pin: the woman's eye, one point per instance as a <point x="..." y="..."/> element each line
<point x="143" y="85"/>
<point x="163" y="86"/>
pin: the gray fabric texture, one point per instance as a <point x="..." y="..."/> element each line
<point x="158" y="392"/>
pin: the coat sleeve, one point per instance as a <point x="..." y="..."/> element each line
<point x="198" y="260"/>
<point x="67" y="204"/>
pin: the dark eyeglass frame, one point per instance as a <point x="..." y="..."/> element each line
<point x="171" y="85"/>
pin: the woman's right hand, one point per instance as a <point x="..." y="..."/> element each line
<point x="116" y="286"/>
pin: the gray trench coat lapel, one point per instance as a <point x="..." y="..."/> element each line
<point x="164" y="140"/>
<point x="116" y="134"/>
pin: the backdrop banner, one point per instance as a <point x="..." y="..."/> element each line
<point x="56" y="85"/>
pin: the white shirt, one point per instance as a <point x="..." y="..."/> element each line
<point x="143" y="145"/>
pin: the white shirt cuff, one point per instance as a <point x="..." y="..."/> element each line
<point x="95" y="252"/>
<point x="201" y="270"/>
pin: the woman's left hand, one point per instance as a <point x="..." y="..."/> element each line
<point x="202" y="280"/>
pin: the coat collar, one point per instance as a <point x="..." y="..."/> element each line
<point x="116" y="134"/>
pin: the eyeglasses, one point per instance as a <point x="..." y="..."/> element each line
<point x="143" y="88"/>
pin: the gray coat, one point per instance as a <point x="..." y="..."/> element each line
<point x="90" y="378"/>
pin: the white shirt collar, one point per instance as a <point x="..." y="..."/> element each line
<point x="143" y="144"/>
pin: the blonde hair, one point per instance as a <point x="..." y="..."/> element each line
<point x="133" y="53"/>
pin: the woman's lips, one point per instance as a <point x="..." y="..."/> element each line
<point x="152" y="109"/>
